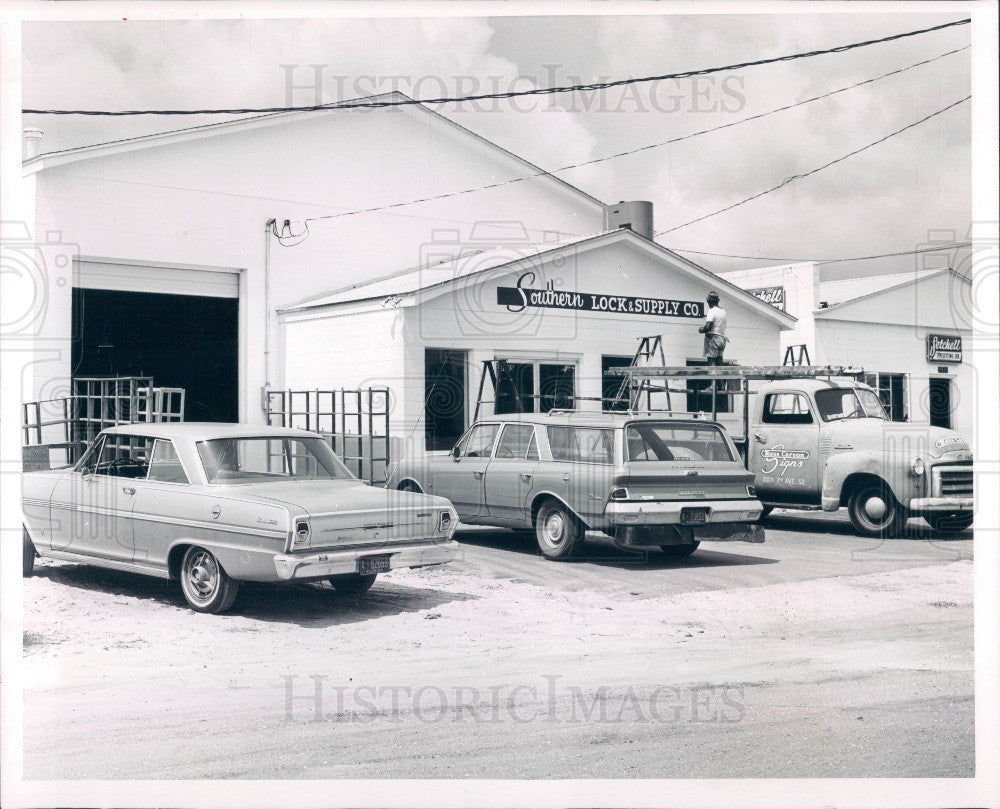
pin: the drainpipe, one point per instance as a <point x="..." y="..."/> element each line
<point x="268" y="230"/>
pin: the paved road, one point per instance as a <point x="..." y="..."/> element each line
<point x="815" y="654"/>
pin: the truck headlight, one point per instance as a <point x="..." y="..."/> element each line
<point x="917" y="467"/>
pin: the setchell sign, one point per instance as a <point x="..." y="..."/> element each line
<point x="944" y="348"/>
<point x="772" y="295"/>
<point x="518" y="298"/>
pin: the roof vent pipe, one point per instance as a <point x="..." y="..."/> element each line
<point x="636" y="215"/>
<point x="32" y="140"/>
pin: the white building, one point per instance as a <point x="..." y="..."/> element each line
<point x="163" y="259"/>
<point x="559" y="313"/>
<point x="907" y="330"/>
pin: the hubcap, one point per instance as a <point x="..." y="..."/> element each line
<point x="553" y="528"/>
<point x="203" y="575"/>
<point x="875" y="508"/>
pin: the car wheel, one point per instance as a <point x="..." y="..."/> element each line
<point x="949" y="523"/>
<point x="28" y="554"/>
<point x="556" y="530"/>
<point x="353" y="583"/>
<point x="875" y="512"/>
<point x="680" y="550"/>
<point x="409" y="486"/>
<point x="206" y="586"/>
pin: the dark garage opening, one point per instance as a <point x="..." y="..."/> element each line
<point x="181" y="341"/>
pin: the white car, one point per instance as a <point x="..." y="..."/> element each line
<point x="216" y="504"/>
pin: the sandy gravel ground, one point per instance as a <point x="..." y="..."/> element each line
<point x="454" y="672"/>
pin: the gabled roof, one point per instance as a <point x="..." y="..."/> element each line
<point x="62" y="157"/>
<point x="415" y="284"/>
<point x="849" y="290"/>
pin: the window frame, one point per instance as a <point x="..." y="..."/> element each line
<point x="469" y="432"/>
<point x="532" y="442"/>
<point x="614" y="443"/>
<point x="813" y="420"/>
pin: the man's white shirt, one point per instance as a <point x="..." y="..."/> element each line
<point x="715" y="318"/>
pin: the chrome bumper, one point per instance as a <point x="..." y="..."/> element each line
<point x="331" y="563"/>
<point x="941" y="504"/>
<point x="668" y="512"/>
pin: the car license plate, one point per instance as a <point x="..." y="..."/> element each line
<point x="694" y="516"/>
<point x="373" y="564"/>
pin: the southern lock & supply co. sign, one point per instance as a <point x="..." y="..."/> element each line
<point x="523" y="296"/>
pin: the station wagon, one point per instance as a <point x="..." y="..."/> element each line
<point x="645" y="480"/>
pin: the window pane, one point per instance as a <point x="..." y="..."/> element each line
<point x="786" y="408"/>
<point x="247" y="459"/>
<point x="515" y="384"/>
<point x="557" y="385"/>
<point x="611" y="385"/>
<point x="124" y="456"/>
<point x="479" y="442"/>
<point x="165" y="465"/>
<point x="652" y="441"/>
<point x="515" y="440"/>
<point x="582" y="444"/>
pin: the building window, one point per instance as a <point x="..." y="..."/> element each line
<point x="611" y="385"/>
<point x="534" y="387"/>
<point x="893" y="391"/>
<point x="444" y="397"/>
<point x="699" y="396"/>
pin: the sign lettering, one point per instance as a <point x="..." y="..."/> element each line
<point x="772" y="295"/>
<point x="518" y="298"/>
<point x="944" y="348"/>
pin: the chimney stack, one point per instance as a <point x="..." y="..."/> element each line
<point x="636" y="215"/>
<point x="32" y="141"/>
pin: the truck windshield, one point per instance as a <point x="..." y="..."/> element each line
<point x="835" y="404"/>
<point x="663" y="441"/>
<point x="245" y="460"/>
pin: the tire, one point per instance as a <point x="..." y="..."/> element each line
<point x="353" y="584"/>
<point x="206" y="586"/>
<point x="28" y="554"/>
<point x="864" y="506"/>
<point x="556" y="530"/>
<point x="409" y="486"/>
<point x="949" y="523"/>
<point x="678" y="551"/>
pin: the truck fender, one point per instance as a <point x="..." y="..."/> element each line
<point x="841" y="468"/>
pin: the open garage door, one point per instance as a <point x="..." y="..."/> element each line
<point x="180" y="327"/>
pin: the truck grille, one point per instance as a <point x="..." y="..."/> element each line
<point x="955" y="481"/>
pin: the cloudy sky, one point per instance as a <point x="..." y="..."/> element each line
<point x="893" y="197"/>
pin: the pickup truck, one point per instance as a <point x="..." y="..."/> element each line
<point x="820" y="443"/>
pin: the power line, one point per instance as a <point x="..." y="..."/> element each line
<point x="637" y="150"/>
<point x="794" y="177"/>
<point x="935" y="249"/>
<point x="572" y="88"/>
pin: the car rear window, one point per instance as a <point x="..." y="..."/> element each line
<point x="662" y="441"/>
<point x="582" y="444"/>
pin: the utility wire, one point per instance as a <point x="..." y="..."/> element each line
<point x="637" y="150"/>
<point x="572" y="88"/>
<point x="794" y="177"/>
<point x="935" y="249"/>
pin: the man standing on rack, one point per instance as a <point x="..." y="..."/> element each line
<point x="714" y="329"/>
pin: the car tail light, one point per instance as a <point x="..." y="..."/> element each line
<point x="301" y="532"/>
<point x="619" y="493"/>
<point x="444" y="521"/>
<point x="752" y="490"/>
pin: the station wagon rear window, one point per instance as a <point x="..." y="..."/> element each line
<point x="582" y="444"/>
<point x="245" y="460"/>
<point x="664" y="441"/>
